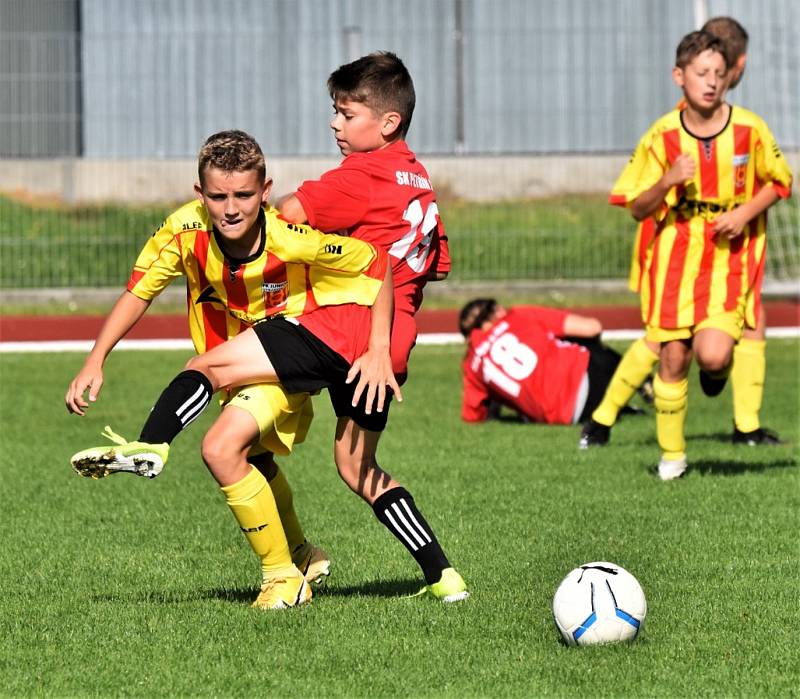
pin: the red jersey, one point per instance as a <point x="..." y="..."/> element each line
<point x="521" y="362"/>
<point x="385" y="197"/>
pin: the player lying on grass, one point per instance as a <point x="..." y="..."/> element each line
<point x="712" y="171"/>
<point x="242" y="264"/>
<point x="304" y="361"/>
<point x="547" y="364"/>
<point x="748" y="368"/>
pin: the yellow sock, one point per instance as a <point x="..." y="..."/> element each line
<point x="747" y="381"/>
<point x="671" y="403"/>
<point x="253" y="506"/>
<point x="285" y="502"/>
<point x="635" y="366"/>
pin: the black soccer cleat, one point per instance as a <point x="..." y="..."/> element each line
<point x="757" y="438"/>
<point x="593" y="434"/>
<point x="712" y="386"/>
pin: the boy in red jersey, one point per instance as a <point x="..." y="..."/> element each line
<point x="712" y="170"/>
<point x="243" y="264"/>
<point x="404" y="217"/>
<point x="748" y="368"/>
<point x="382" y="194"/>
<point x="547" y="364"/>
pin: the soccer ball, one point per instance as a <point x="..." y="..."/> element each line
<point x="599" y="602"/>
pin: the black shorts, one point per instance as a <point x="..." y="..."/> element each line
<point x="603" y="363"/>
<point x="302" y="361"/>
<point x="342" y="398"/>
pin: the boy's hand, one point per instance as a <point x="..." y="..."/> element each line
<point x="374" y="371"/>
<point x="91" y="378"/>
<point x="731" y="224"/>
<point x="682" y="170"/>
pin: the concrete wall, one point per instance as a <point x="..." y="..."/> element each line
<point x="484" y="178"/>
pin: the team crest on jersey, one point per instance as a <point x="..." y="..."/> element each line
<point x="740" y="172"/>
<point x="275" y="294"/>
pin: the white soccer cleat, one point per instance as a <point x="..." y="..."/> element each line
<point x="669" y="470"/>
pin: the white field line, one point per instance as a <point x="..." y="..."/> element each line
<point x="186" y="344"/>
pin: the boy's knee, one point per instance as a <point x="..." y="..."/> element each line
<point x="215" y="450"/>
<point x="713" y="361"/>
<point x="196" y="363"/>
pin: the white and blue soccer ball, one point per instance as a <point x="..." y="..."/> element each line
<point x="599" y="602"/>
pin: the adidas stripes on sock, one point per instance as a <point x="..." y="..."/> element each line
<point x="180" y="404"/>
<point x="397" y="512"/>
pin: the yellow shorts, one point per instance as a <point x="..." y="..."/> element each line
<point x="730" y="323"/>
<point x="283" y="418"/>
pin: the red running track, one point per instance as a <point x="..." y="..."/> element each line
<point x="84" y="327"/>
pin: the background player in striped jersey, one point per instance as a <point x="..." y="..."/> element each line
<point x="381" y="193"/>
<point x="233" y="255"/>
<point x="712" y="170"/>
<point x="547" y="364"/>
<point x="748" y="369"/>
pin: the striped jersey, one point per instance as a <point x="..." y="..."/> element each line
<point x="296" y="270"/>
<point x="691" y="273"/>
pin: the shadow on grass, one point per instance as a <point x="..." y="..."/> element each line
<point x="383" y="588"/>
<point x="380" y="588"/>
<point x="727" y="438"/>
<point x="715" y="467"/>
<point x="395" y="588"/>
<point x="709" y="467"/>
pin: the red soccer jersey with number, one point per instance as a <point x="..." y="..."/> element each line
<point x="385" y="197"/>
<point x="521" y="362"/>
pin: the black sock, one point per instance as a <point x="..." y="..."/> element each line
<point x="180" y="403"/>
<point x="397" y="512"/>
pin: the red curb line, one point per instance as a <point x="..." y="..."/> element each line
<point x="152" y="327"/>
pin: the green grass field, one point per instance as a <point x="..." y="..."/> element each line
<point x="129" y="587"/>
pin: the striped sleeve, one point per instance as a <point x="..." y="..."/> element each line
<point x="771" y="166"/>
<point x="158" y="263"/>
<point x="341" y="269"/>
<point x="629" y="183"/>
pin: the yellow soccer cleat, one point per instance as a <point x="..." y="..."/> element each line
<point x="450" y="588"/>
<point x="139" y="458"/>
<point x="313" y="563"/>
<point x="283" y="589"/>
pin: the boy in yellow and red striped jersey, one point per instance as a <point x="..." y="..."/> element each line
<point x="749" y="360"/>
<point x="242" y="264"/>
<point x="712" y="170"/>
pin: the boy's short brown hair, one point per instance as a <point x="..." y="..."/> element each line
<point x="379" y="80"/>
<point x="474" y="314"/>
<point x="231" y="151"/>
<point x="694" y="43"/>
<point x="733" y="35"/>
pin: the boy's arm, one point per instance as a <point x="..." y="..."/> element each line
<point x="648" y="202"/>
<point x="292" y="210"/>
<point x="474" y="397"/>
<point x="581" y="326"/>
<point x="731" y="224"/>
<point x="374" y="367"/>
<point x="126" y="313"/>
